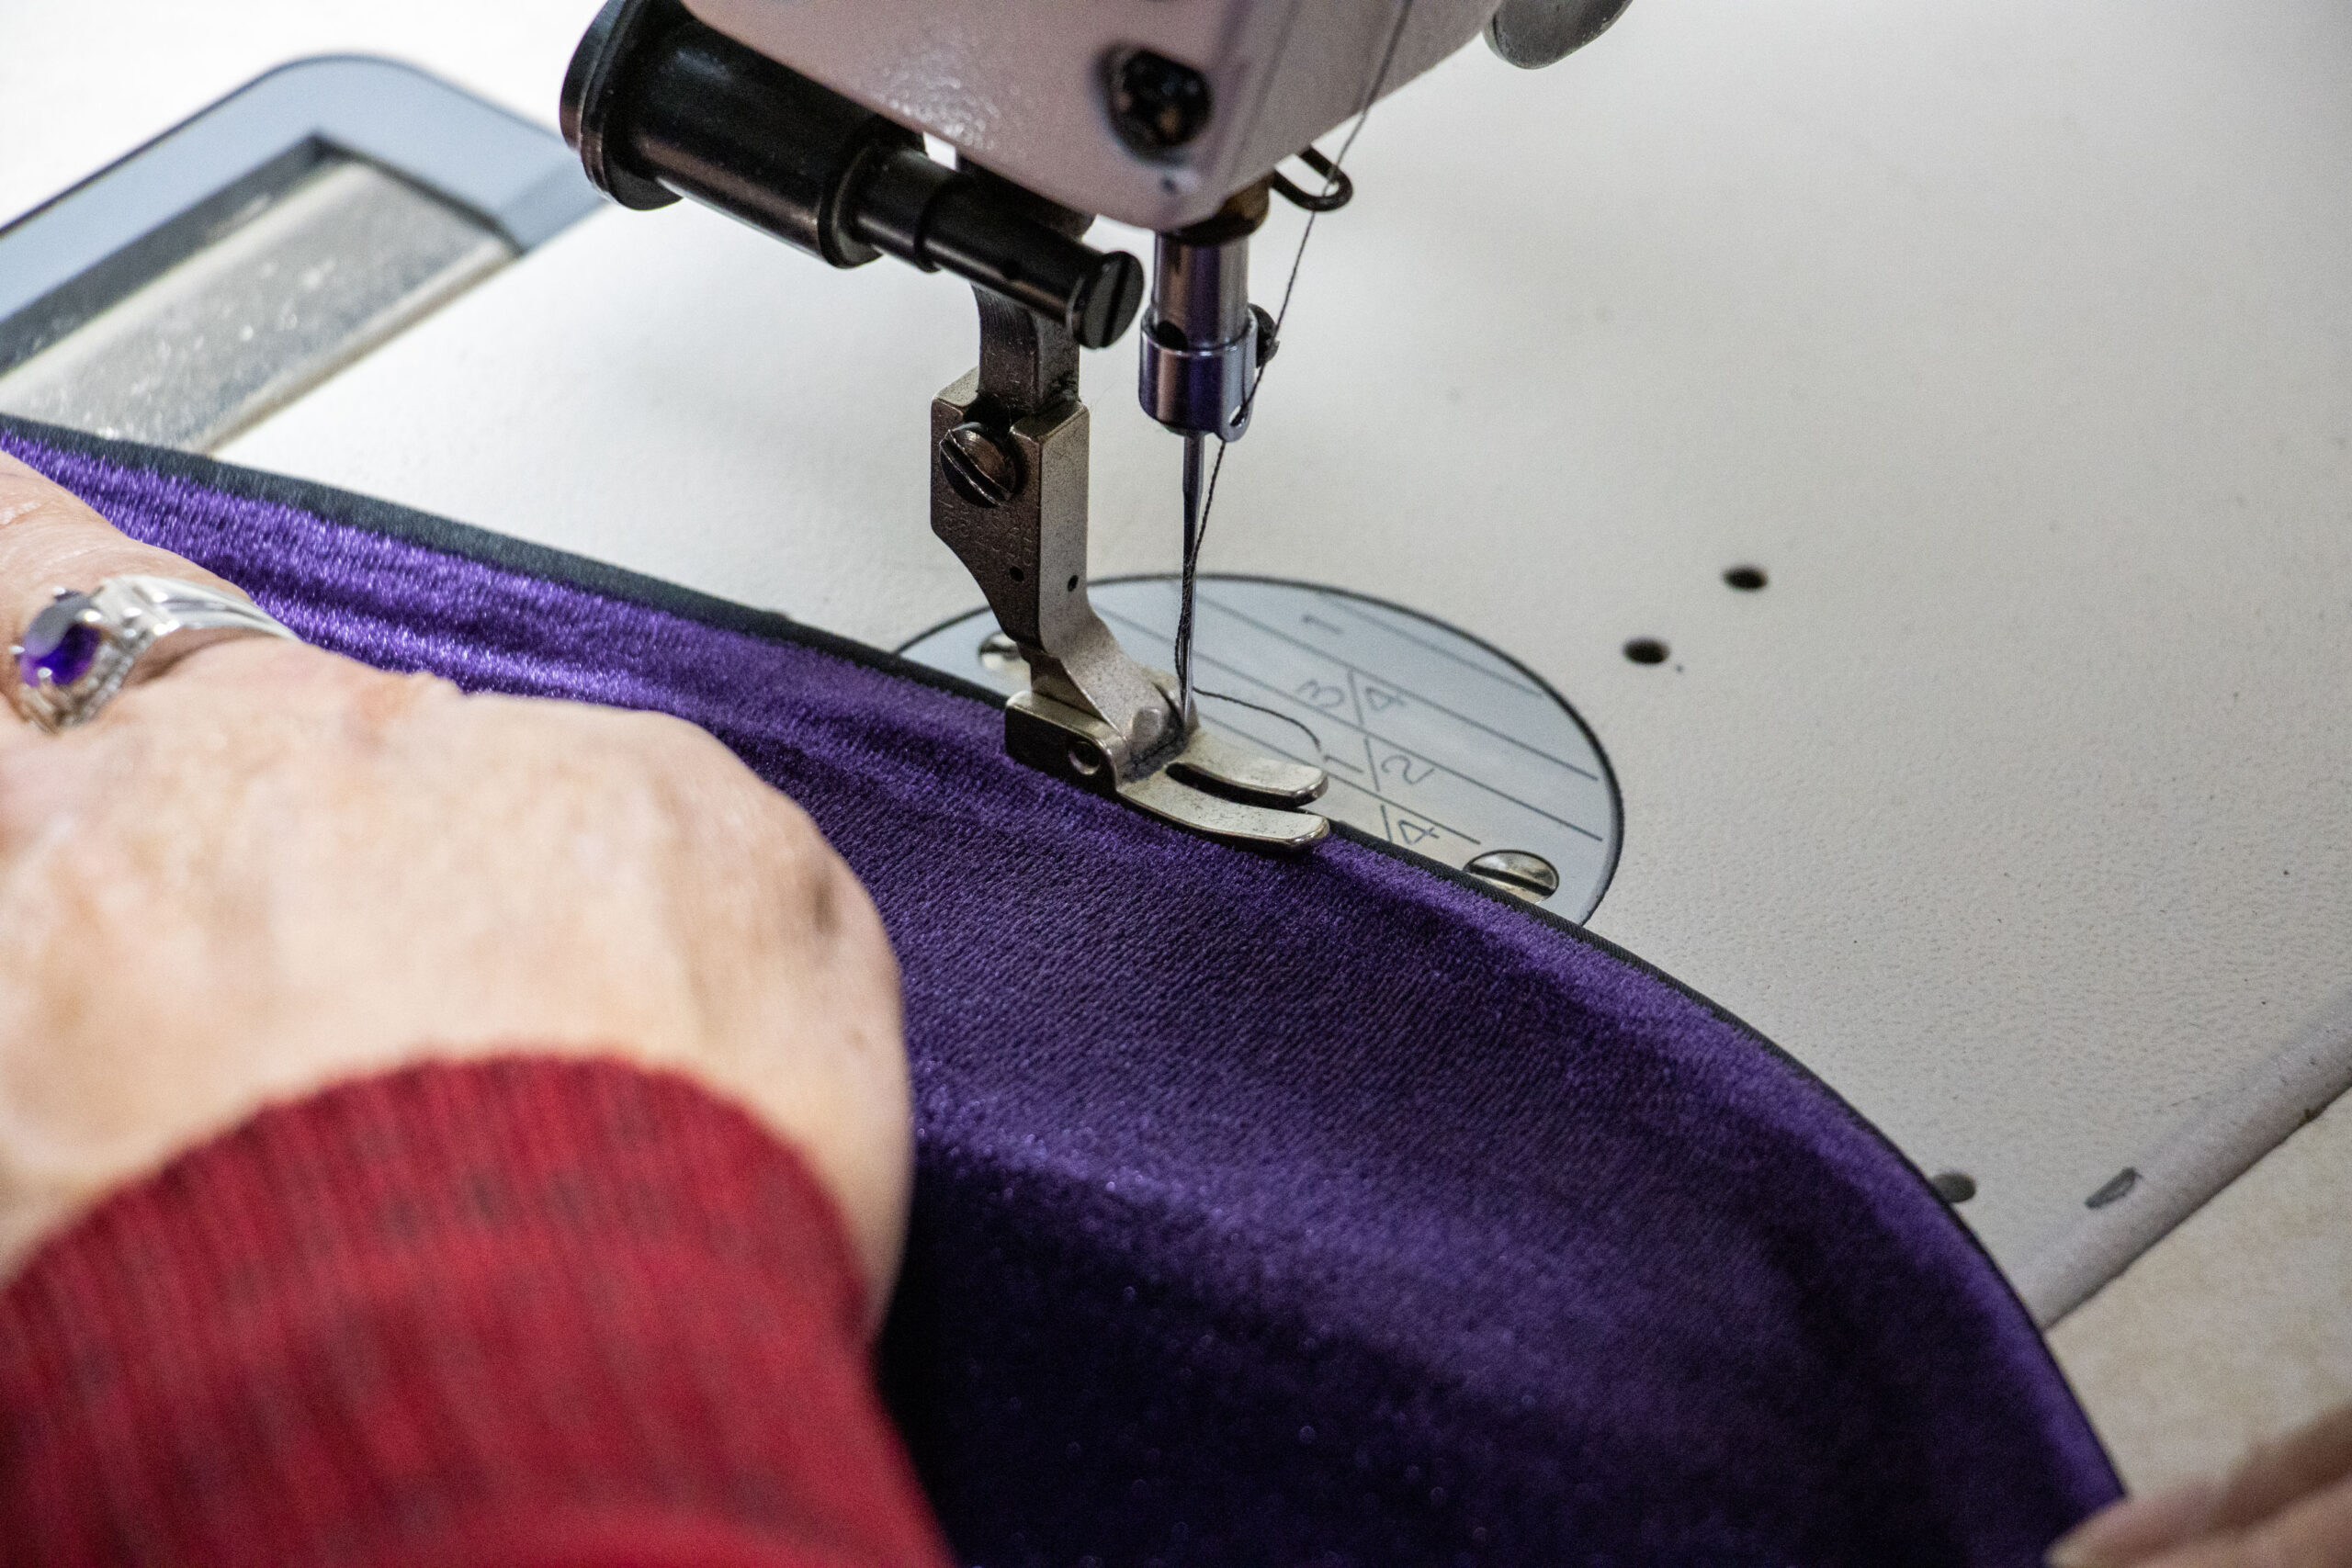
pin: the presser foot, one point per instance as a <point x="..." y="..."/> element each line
<point x="1213" y="785"/>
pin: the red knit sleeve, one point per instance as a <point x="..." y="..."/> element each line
<point x="524" y="1313"/>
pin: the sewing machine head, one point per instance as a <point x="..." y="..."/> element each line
<point x="1149" y="112"/>
<point x="807" y="119"/>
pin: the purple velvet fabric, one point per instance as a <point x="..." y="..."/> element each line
<point x="1277" y="1211"/>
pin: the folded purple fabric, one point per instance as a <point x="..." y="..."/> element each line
<point x="1326" y="1209"/>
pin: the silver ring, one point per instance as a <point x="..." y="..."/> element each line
<point x="85" y="648"/>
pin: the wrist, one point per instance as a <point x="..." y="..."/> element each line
<point x="522" y="1300"/>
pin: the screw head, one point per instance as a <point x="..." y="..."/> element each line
<point x="1000" y="655"/>
<point x="1268" y="334"/>
<point x="1528" y="875"/>
<point x="984" y="468"/>
<point x="2117" y="1188"/>
<point x="1105" y="304"/>
<point x="1158" y="104"/>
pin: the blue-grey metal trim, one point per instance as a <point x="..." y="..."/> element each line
<point x="517" y="176"/>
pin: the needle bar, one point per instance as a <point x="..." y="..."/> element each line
<point x="1197" y="505"/>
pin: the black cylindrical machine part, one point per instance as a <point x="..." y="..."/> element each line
<point x="661" y="105"/>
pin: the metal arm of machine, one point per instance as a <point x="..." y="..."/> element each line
<point x="1009" y="496"/>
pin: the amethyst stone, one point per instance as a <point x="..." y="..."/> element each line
<point x="59" y="645"/>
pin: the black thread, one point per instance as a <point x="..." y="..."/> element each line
<point x="1300" y="725"/>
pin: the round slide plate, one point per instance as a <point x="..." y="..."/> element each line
<point x="1432" y="741"/>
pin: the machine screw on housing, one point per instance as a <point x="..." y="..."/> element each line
<point x="983" y="467"/>
<point x="1158" y="105"/>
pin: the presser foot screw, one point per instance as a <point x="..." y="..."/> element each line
<point x="983" y="467"/>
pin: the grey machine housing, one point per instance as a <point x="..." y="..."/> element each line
<point x="1023" y="86"/>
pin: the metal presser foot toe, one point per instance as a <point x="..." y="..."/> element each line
<point x="1213" y="785"/>
<point x="1224" y="766"/>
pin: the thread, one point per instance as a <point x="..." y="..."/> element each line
<point x="1313" y="739"/>
<point x="1194" y="447"/>
<point x="1199" y="505"/>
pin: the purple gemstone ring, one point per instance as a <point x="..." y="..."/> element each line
<point x="83" y="647"/>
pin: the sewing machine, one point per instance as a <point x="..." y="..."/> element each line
<point x="1915" y="454"/>
<point x="807" y="121"/>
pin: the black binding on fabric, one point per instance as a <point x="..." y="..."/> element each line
<point x="469" y="543"/>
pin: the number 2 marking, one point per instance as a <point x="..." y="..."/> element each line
<point x="1406" y="769"/>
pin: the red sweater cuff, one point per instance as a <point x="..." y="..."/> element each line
<point x="517" y="1312"/>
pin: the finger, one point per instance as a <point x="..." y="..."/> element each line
<point x="49" y="539"/>
<point x="2266" y="1484"/>
<point x="2275" y="1475"/>
<point x="2136" y="1529"/>
<point x="2315" y="1532"/>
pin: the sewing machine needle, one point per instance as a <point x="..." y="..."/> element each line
<point x="1195" y="452"/>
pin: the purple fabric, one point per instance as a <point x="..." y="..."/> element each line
<point x="1276" y="1211"/>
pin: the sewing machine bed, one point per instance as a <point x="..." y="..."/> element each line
<point x="1315" y="1208"/>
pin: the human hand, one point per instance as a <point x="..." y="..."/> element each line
<point x="2287" y="1505"/>
<point x="271" y="868"/>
